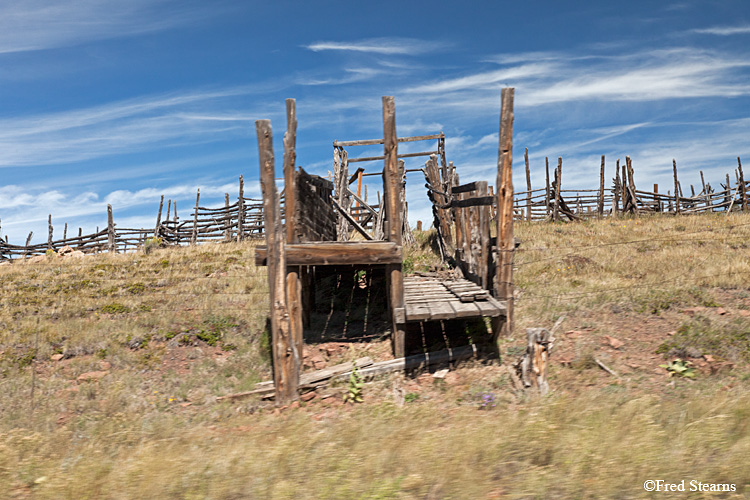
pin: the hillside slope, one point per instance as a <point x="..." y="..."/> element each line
<point x="110" y="367"/>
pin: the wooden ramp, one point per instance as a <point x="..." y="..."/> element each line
<point x="429" y="298"/>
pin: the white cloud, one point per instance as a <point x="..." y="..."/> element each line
<point x="383" y="46"/>
<point x="45" y="24"/>
<point x="724" y="30"/>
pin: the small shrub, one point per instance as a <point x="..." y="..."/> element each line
<point x="411" y="397"/>
<point x="679" y="368"/>
<point x="136" y="288"/>
<point x="115" y="308"/>
<point x="152" y="244"/>
<point x="354" y="391"/>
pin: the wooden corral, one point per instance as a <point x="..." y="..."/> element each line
<point x="312" y="244"/>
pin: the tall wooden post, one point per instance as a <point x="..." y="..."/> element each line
<point x="241" y="210"/>
<point x="158" y="218"/>
<point x="528" y="184"/>
<point x="194" y="236"/>
<point x="285" y="371"/>
<point x="676" y="187"/>
<point x="293" y="284"/>
<point x="227" y="228"/>
<point x="505" y="243"/>
<point x="49" y="232"/>
<point x="618" y="184"/>
<point x="111" y="246"/>
<point x="558" y="183"/>
<point x="600" y="207"/>
<point x="392" y="205"/>
<point x="743" y="191"/>
<point x="547" y="193"/>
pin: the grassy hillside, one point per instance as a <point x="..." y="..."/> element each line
<point x="110" y="367"/>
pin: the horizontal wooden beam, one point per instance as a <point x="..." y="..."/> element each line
<point x="405" y="155"/>
<point x="372" y="142"/>
<point x="334" y="253"/>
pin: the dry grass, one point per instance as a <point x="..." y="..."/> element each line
<point x="151" y="428"/>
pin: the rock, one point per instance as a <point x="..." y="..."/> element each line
<point x="721" y="311"/>
<point x="4" y="263"/>
<point x="613" y="342"/>
<point x="96" y="375"/>
<point x="573" y="334"/>
<point x="440" y="374"/>
<point x="56" y="357"/>
<point x="37" y="259"/>
<point x="425" y="378"/>
<point x="76" y="254"/>
<point x="308" y="396"/>
<point x="65" y="251"/>
<point x="105" y="365"/>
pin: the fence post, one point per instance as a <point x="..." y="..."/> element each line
<point x="241" y="211"/>
<point x="547" y="193"/>
<point x="392" y="185"/>
<point x="158" y="218"/>
<point x="293" y="282"/>
<point x="194" y="236"/>
<point x="743" y="192"/>
<point x="528" y="184"/>
<point x="601" y="190"/>
<point x="505" y="241"/>
<point x="285" y="372"/>
<point x="111" y="247"/>
<point x="558" y="183"/>
<point x="49" y="232"/>
<point x="677" y="187"/>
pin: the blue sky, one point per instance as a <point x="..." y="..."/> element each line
<point x="120" y="102"/>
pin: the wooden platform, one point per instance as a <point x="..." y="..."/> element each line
<point x="429" y="298"/>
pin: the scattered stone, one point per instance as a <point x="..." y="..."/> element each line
<point x="573" y="334"/>
<point x="425" y="378"/>
<point x="185" y="405"/>
<point x="743" y="312"/>
<point x="720" y="311"/>
<point x="96" y="375"/>
<point x="690" y="311"/>
<point x="65" y="251"/>
<point x="56" y="357"/>
<point x="105" y="365"/>
<point x="76" y="254"/>
<point x="440" y="374"/>
<point x="708" y="358"/>
<point x="308" y="396"/>
<point x="613" y="342"/>
<point x="37" y="258"/>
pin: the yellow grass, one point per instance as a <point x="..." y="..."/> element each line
<point x="148" y="429"/>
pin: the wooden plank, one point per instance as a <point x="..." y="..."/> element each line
<point x="476" y="201"/>
<point x="336" y="253"/>
<point x="465" y="309"/>
<point x="417" y="312"/>
<point x="372" y="142"/>
<point x="351" y="220"/>
<point x="441" y="310"/>
<point x="505" y="241"/>
<point x="405" y="155"/>
<point x="284" y="351"/>
<point x="392" y="205"/>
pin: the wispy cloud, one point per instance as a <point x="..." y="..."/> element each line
<point x="46" y="24"/>
<point x="724" y="30"/>
<point x="484" y="79"/>
<point x="383" y="46"/>
<point x="131" y="125"/>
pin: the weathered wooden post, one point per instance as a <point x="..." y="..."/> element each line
<point x="392" y="204"/>
<point x="505" y="243"/>
<point x="110" y="231"/>
<point x="158" y="218"/>
<point x="528" y="184"/>
<point x="743" y="191"/>
<point x="169" y="208"/>
<point x="558" y="183"/>
<point x="618" y="184"/>
<point x="293" y="273"/>
<point x="600" y="207"/>
<point x="227" y="219"/>
<point x="49" y="232"/>
<point x="547" y="193"/>
<point x="676" y="187"/>
<point x="241" y="210"/>
<point x="283" y="350"/>
<point x="194" y="236"/>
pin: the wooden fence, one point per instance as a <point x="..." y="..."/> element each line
<point x="552" y="202"/>
<point x="240" y="220"/>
